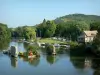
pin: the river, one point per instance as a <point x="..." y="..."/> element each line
<point x="60" y="64"/>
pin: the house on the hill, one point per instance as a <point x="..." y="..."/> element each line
<point x="87" y="36"/>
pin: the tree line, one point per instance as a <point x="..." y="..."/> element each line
<point x="4" y="32"/>
<point x="24" y="32"/>
<point x="68" y="27"/>
<point x="69" y="30"/>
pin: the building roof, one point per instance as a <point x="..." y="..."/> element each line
<point x="91" y="33"/>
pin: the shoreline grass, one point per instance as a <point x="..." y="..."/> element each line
<point x="49" y="40"/>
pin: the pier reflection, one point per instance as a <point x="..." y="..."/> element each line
<point x="14" y="62"/>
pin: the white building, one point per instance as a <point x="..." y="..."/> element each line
<point x="87" y="36"/>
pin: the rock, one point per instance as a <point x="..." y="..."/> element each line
<point x="14" y="51"/>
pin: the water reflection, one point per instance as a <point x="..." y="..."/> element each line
<point x="96" y="72"/>
<point x="25" y="45"/>
<point x="78" y="58"/>
<point x="32" y="61"/>
<point x="77" y="62"/>
<point x="59" y="50"/>
<point x="96" y="65"/>
<point x="14" y="62"/>
<point x="51" y="59"/>
<point x="85" y="61"/>
<point x="88" y="62"/>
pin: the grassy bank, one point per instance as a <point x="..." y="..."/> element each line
<point x="49" y="40"/>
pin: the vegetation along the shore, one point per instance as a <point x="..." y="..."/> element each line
<point x="68" y="27"/>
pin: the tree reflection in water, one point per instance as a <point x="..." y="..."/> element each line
<point x="14" y="62"/>
<point x="81" y="62"/>
<point x="80" y="59"/>
<point x="25" y="45"/>
<point x="51" y="59"/>
<point x="96" y="65"/>
<point x="32" y="61"/>
<point x="77" y="62"/>
<point x="96" y="72"/>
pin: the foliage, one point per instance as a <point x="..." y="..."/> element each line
<point x="71" y="29"/>
<point x="95" y="26"/>
<point x="96" y="43"/>
<point x="78" y="17"/>
<point x="19" y="32"/>
<point x="50" y="29"/>
<point x="46" y="29"/>
<point x="68" y="27"/>
<point x="33" y="48"/>
<point x="49" y="40"/>
<point x="51" y="59"/>
<point x="26" y="32"/>
<point x="29" y="33"/>
<point x="4" y="44"/>
<point x="49" y="49"/>
<point x="4" y="32"/>
<point x="73" y="44"/>
<point x="71" y="26"/>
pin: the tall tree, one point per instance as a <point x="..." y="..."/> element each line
<point x="94" y="25"/>
<point x="50" y="29"/>
<point x="4" y="32"/>
<point x="29" y="33"/>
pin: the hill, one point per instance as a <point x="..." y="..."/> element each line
<point x="78" y="17"/>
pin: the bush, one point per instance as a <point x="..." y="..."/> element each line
<point x="33" y="49"/>
<point x="73" y="44"/>
<point x="49" y="49"/>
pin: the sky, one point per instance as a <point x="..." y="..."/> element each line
<point x="16" y="13"/>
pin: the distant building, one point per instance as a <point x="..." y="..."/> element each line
<point x="87" y="36"/>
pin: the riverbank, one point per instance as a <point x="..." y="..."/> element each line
<point x="49" y="40"/>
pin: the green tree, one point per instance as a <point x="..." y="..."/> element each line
<point x="71" y="29"/>
<point x="46" y="29"/>
<point x="96" y="43"/>
<point x="50" y="29"/>
<point x="29" y="33"/>
<point x="41" y="29"/>
<point x="94" y="25"/>
<point x="4" y="32"/>
<point x="19" y="31"/>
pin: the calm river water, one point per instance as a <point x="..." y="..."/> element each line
<point x="61" y="64"/>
